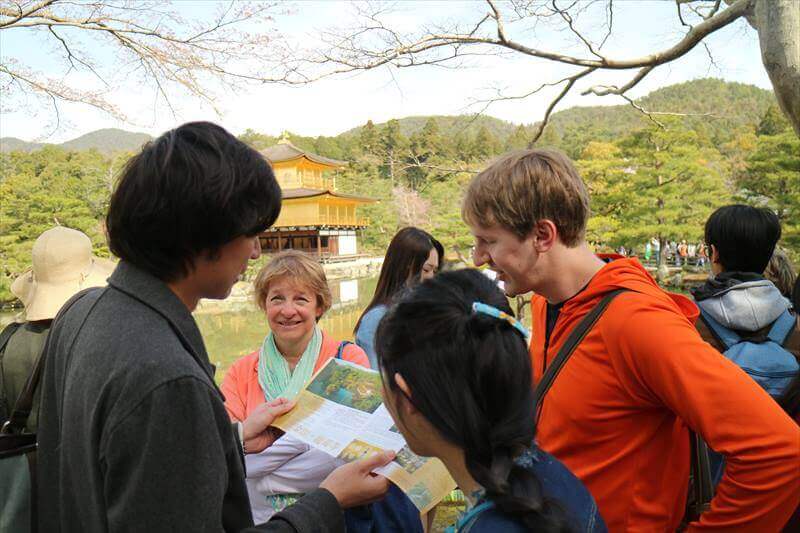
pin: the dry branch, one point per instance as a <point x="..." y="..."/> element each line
<point x="375" y="43"/>
<point x="156" y="48"/>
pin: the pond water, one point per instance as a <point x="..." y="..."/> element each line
<point x="232" y="333"/>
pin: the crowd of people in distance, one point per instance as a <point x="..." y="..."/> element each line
<point x="583" y="419"/>
<point x="678" y="253"/>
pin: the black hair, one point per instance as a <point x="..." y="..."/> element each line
<point x="469" y="375"/>
<point x="189" y="192"/>
<point x="405" y="257"/>
<point x="744" y="237"/>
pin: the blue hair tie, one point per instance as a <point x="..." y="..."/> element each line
<point x="479" y="307"/>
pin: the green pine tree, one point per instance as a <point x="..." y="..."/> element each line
<point x="772" y="178"/>
<point x="369" y="139"/>
<point x="392" y="144"/>
<point x="773" y="122"/>
<point x="672" y="185"/>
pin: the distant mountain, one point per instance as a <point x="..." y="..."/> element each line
<point x="449" y="125"/>
<point x="105" y="141"/>
<point x="108" y="140"/>
<point x="714" y="107"/>
<point x="717" y="106"/>
<point x="12" y="144"/>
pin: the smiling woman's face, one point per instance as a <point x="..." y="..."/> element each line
<point x="292" y="310"/>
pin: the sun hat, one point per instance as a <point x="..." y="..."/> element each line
<point x="63" y="265"/>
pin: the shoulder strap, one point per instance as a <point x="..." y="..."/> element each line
<point x="466" y="522"/>
<point x="702" y="485"/>
<point x="725" y="336"/>
<point x="782" y="328"/>
<point x="340" y="350"/>
<point x="22" y="408"/>
<point x="572" y="342"/>
<point x="5" y="335"/>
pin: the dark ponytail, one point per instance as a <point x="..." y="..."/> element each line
<point x="470" y="376"/>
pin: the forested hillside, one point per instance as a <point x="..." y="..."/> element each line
<point x="106" y="141"/>
<point x="646" y="180"/>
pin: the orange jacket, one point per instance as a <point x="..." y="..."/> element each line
<point x="242" y="391"/>
<point x="617" y="414"/>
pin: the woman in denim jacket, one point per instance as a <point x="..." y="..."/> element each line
<point x="457" y="381"/>
<point x="413" y="256"/>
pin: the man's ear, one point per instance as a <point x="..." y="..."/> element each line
<point x="406" y="402"/>
<point x="714" y="256"/>
<point x="544" y="235"/>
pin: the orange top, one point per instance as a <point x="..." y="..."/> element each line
<point x="618" y="412"/>
<point x="242" y="391"/>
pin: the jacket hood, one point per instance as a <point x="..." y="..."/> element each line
<point x="746" y="306"/>
<point x="627" y="273"/>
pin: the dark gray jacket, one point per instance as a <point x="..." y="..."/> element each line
<point x="133" y="433"/>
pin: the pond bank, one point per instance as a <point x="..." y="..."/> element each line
<point x="241" y="297"/>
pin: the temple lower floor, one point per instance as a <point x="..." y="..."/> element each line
<point x="325" y="243"/>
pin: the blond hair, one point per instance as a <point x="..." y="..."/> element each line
<point x="780" y="271"/>
<point x="299" y="267"/>
<point x="526" y="186"/>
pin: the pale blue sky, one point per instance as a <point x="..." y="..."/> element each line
<point x="335" y="105"/>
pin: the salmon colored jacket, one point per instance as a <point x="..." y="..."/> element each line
<point x="242" y="391"/>
<point x="617" y="414"/>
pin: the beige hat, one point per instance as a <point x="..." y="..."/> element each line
<point x="63" y="265"/>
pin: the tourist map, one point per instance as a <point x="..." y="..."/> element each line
<point x="341" y="412"/>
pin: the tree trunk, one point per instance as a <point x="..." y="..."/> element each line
<point x="778" y="25"/>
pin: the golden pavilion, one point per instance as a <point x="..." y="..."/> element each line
<point x="314" y="217"/>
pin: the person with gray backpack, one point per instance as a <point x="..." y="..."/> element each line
<point x="743" y="314"/>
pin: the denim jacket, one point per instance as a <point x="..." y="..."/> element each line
<point x="365" y="335"/>
<point x="558" y="484"/>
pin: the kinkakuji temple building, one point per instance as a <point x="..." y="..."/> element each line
<point x="314" y="217"/>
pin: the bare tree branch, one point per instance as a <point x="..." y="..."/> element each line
<point x="609" y="23"/>
<point x="605" y="90"/>
<point x="20" y="14"/>
<point x="375" y="43"/>
<point x="555" y="102"/>
<point x="157" y="47"/>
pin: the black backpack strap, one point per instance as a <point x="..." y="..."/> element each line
<point x="575" y="337"/>
<point x="22" y="408"/>
<point x="5" y="335"/>
<point x="701" y="489"/>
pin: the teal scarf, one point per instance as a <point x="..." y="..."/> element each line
<point x="278" y="381"/>
<point x="274" y="376"/>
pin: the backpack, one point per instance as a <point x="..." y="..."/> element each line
<point x="763" y="358"/>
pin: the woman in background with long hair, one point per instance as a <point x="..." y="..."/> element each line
<point x="413" y="256"/>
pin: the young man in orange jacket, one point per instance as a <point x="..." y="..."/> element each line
<point x="618" y="414"/>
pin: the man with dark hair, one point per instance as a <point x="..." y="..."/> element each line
<point x="741" y="241"/>
<point x="133" y="433"/>
<point x="742" y="238"/>
<point x="742" y="313"/>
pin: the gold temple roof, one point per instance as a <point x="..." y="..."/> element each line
<point x="290" y="194"/>
<point x="286" y="151"/>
